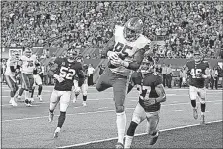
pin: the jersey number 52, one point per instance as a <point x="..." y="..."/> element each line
<point x="67" y="73"/>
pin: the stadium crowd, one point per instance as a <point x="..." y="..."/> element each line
<point x="184" y="26"/>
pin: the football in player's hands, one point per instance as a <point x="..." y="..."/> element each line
<point x="112" y="55"/>
<point x="149" y="101"/>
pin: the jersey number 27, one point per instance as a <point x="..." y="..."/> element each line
<point x="67" y="73"/>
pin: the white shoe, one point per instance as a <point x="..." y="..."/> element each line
<point x="14" y="104"/>
<point x="75" y="99"/>
<point x="31" y="99"/>
<point x="40" y="97"/>
<point x="56" y="133"/>
<point x="10" y="101"/>
<point x="84" y="103"/>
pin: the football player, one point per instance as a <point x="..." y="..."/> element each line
<point x="148" y="107"/>
<point x="28" y="62"/>
<point x="125" y="51"/>
<point x="196" y="72"/>
<point x="38" y="81"/>
<point x="64" y="70"/>
<point x="83" y="88"/>
<point x="10" y="76"/>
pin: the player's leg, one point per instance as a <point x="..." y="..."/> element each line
<point x="64" y="103"/>
<point x="84" y="89"/>
<point x="193" y="96"/>
<point x="202" y="97"/>
<point x="31" y="88"/>
<point x="137" y="117"/>
<point x="54" y="99"/>
<point x="76" y="92"/>
<point x="39" y="82"/>
<point x="104" y="81"/>
<point x="26" y="86"/>
<point x="153" y="120"/>
<point x="13" y="87"/>
<point x="120" y="89"/>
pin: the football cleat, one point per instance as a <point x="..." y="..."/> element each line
<point x="56" y="133"/>
<point x="19" y="98"/>
<point x="51" y="117"/>
<point x="195" y="114"/>
<point x="202" y="122"/>
<point x="14" y="104"/>
<point x="40" y="98"/>
<point x="153" y="138"/>
<point x="10" y="101"/>
<point x="119" y="145"/>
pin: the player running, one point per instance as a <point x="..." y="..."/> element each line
<point x="151" y="95"/>
<point x="10" y="76"/>
<point x="38" y="81"/>
<point x="196" y="72"/>
<point x="28" y="62"/>
<point x="83" y="88"/>
<point x="64" y="70"/>
<point x="125" y="52"/>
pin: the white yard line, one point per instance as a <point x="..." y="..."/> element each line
<point x="140" y="134"/>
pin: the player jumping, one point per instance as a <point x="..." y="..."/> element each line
<point x="196" y="71"/>
<point x="64" y="70"/>
<point x="125" y="51"/>
<point x="151" y="95"/>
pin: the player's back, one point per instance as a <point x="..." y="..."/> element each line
<point x="67" y="70"/>
<point x="150" y="81"/>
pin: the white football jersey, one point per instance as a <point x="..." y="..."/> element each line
<point x="127" y="48"/>
<point x="28" y="64"/>
<point x="9" y="63"/>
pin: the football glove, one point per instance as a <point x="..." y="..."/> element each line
<point x="59" y="78"/>
<point x="149" y="101"/>
<point x="112" y="55"/>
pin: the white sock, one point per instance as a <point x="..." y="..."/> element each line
<point x="121" y="124"/>
<point x="26" y="94"/>
<point x="202" y="113"/>
<point x="128" y="141"/>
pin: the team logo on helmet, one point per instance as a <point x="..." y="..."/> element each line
<point x="132" y="28"/>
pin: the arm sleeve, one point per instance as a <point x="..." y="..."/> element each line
<point x="139" y="55"/>
<point x="108" y="47"/>
<point x="81" y="75"/>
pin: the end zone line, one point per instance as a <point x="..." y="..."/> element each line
<point x="141" y="134"/>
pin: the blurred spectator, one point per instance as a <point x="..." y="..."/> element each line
<point x="169" y="74"/>
<point x="90" y="75"/>
<point x="164" y="73"/>
<point x="183" y="77"/>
